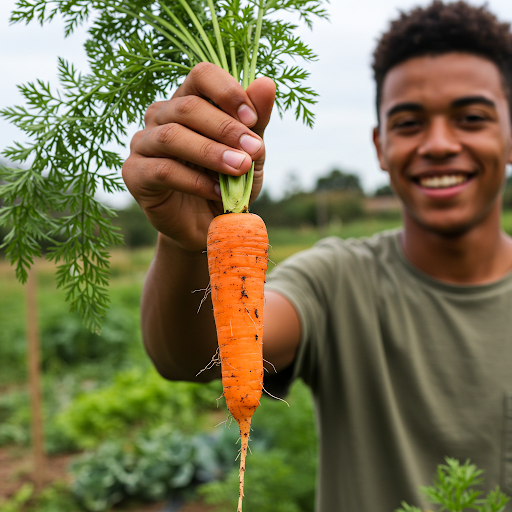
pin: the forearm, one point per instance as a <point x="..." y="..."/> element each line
<point x="179" y="339"/>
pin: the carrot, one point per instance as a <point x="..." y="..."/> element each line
<point x="237" y="260"/>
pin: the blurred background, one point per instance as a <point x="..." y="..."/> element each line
<point x="116" y="435"/>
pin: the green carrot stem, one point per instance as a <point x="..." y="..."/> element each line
<point x="214" y="57"/>
<point x="158" y="28"/>
<point x="194" y="43"/>
<point x="236" y="191"/>
<point x="256" y="43"/>
<point x="232" y="52"/>
<point x="218" y="36"/>
<point x="246" y="77"/>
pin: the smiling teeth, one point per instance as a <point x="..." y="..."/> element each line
<point x="442" y="181"/>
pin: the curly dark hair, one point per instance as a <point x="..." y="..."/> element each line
<point x="441" y="28"/>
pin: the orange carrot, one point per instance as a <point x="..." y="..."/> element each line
<point x="237" y="260"/>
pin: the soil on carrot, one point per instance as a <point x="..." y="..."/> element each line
<point x="16" y="469"/>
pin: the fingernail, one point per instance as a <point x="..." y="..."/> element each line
<point x="216" y="189"/>
<point x="247" y="115"/>
<point x="250" y="144"/>
<point x="234" y="159"/>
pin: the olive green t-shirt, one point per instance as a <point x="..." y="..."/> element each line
<point x="404" y="370"/>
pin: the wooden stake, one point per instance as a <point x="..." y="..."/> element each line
<point x="34" y="372"/>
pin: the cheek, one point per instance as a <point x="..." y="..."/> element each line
<point x="397" y="157"/>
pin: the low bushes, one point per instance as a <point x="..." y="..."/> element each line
<point x="136" y="398"/>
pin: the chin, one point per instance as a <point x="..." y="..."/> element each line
<point x="449" y="228"/>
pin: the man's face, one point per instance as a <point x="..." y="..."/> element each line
<point x="445" y="139"/>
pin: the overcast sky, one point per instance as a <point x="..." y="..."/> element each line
<point x="342" y="76"/>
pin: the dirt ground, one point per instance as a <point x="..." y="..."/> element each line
<point x="16" y="469"/>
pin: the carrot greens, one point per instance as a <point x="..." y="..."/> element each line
<point x="138" y="51"/>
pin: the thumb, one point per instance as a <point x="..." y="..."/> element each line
<point x="262" y="93"/>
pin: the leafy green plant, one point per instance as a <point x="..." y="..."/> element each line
<point x="20" y="498"/>
<point x="453" y="490"/>
<point x="137" y="398"/>
<point x="66" y="342"/>
<point x="138" y="50"/>
<point x="151" y="468"/>
<point x="54" y="498"/>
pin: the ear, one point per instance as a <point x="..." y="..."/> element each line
<point x="377" y="142"/>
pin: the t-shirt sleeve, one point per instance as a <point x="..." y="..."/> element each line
<point x="306" y="280"/>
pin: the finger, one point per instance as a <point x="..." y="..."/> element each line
<point x="262" y="93"/>
<point x="151" y="178"/>
<point x="202" y="117"/>
<point x="179" y="142"/>
<point x="215" y="84"/>
<point x="152" y="111"/>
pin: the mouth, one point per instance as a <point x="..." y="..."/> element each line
<point x="442" y="181"/>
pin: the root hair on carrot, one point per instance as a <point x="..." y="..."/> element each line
<point x="215" y="361"/>
<point x="206" y="291"/>
<point x="271" y="364"/>
<point x="276" y="397"/>
<point x="274" y="263"/>
<point x="222" y="423"/>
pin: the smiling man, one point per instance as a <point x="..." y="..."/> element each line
<point x="445" y="139"/>
<point x="405" y="339"/>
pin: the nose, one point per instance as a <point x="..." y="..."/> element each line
<point x="440" y="141"/>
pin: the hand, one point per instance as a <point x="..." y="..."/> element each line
<point x="173" y="167"/>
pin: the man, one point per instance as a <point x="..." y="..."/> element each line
<point x="404" y="338"/>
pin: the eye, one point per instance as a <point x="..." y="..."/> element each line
<point x="406" y="125"/>
<point x="472" y="120"/>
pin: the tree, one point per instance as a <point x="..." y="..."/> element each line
<point x="385" y="190"/>
<point x="339" y="180"/>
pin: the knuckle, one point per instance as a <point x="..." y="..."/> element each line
<point x="199" y="70"/>
<point x="127" y="171"/>
<point x="186" y="106"/>
<point x="167" y="134"/>
<point x="227" y="128"/>
<point x="197" y="183"/>
<point x="232" y="94"/>
<point x="162" y="172"/>
<point x="136" y="140"/>
<point x="151" y="112"/>
<point x="206" y="150"/>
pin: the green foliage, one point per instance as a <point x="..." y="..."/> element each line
<point x="20" y="498"/>
<point x="14" y="417"/>
<point x="137" y="398"/>
<point x="55" y="498"/>
<point x="150" y="468"/>
<point x="310" y="209"/>
<point x="66" y="343"/>
<point x="135" y="227"/>
<point x="507" y="193"/>
<point x="385" y="190"/>
<point x="339" y="180"/>
<point x="283" y="439"/>
<point x="453" y="490"/>
<point x="137" y="51"/>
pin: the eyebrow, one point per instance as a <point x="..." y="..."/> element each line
<point x="460" y="102"/>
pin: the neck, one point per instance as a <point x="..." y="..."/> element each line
<point x="480" y="255"/>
